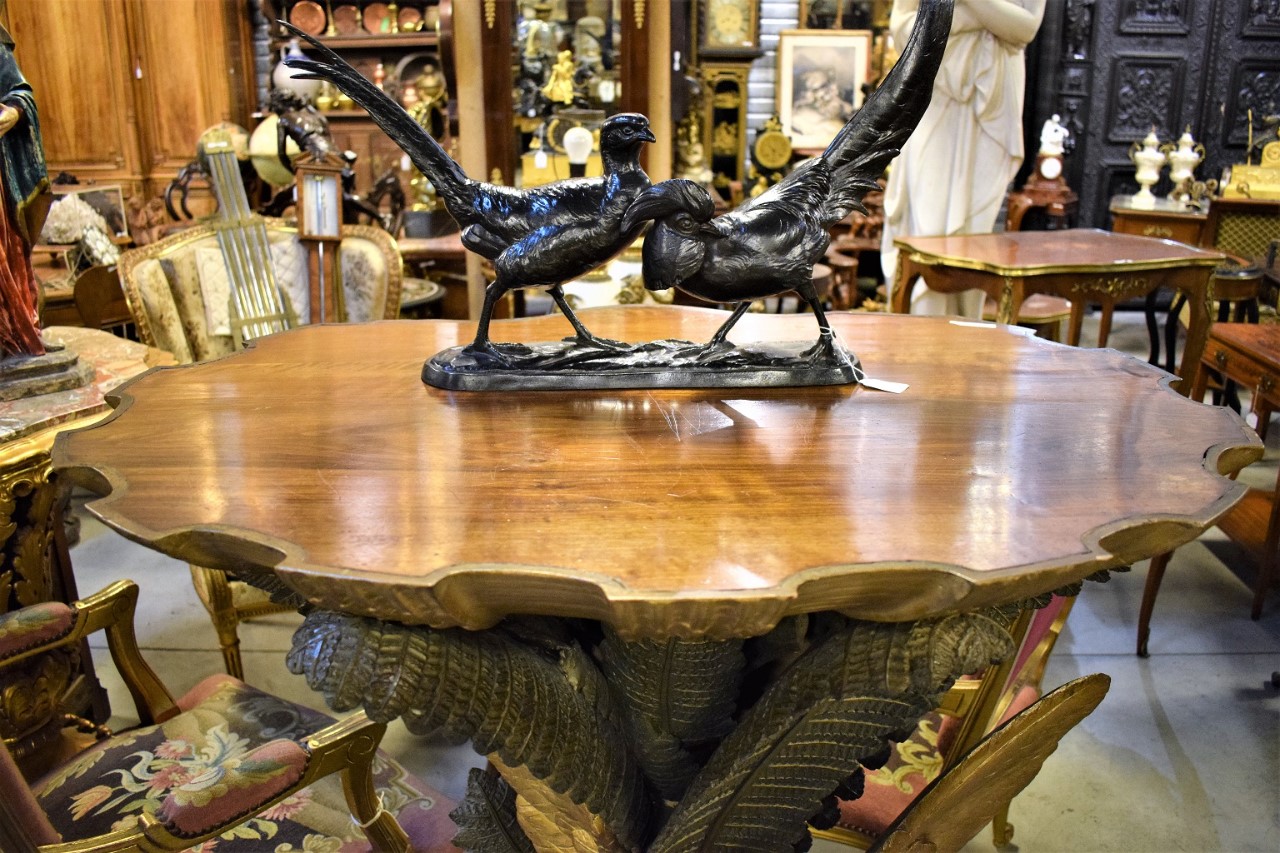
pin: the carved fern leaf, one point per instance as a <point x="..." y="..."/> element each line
<point x="504" y="697"/>
<point x="675" y="695"/>
<point x="553" y="822"/>
<point x="881" y="677"/>
<point x="486" y="817"/>
<point x="773" y="786"/>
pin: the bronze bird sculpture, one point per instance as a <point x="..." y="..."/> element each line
<point x="541" y="236"/>
<point x="769" y="245"/>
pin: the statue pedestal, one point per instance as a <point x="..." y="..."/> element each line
<point x="59" y="369"/>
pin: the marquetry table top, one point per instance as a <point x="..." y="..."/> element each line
<point x="1021" y="253"/>
<point x="1009" y="466"/>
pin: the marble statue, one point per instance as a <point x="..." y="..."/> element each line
<point x="953" y="173"/>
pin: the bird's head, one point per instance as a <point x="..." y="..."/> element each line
<point x="674" y="249"/>
<point x="625" y="132"/>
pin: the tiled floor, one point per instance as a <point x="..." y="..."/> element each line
<point x="1184" y="754"/>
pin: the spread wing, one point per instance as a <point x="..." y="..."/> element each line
<point x="863" y="148"/>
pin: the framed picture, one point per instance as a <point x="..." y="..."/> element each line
<point x="820" y="79"/>
<point x="107" y="200"/>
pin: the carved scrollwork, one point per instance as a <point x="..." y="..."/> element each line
<point x="27" y="500"/>
<point x="1114" y="287"/>
<point x="1145" y="91"/>
<point x="1163" y="17"/>
<point x="31" y="698"/>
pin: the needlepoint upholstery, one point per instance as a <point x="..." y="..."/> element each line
<point x="230" y="749"/>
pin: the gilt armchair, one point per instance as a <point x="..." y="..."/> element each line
<point x="178" y="295"/>
<point x="974" y="707"/>
<point x="226" y="765"/>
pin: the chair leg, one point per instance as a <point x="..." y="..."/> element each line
<point x="1001" y="829"/>
<point x="380" y="826"/>
<point x="1155" y="574"/>
<point x="215" y="592"/>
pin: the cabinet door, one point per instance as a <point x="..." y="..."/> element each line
<point x="191" y="77"/>
<point x="76" y="56"/>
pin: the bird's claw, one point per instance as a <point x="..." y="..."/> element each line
<point x="490" y="355"/>
<point x="824" y="352"/>
<point x="595" y="342"/>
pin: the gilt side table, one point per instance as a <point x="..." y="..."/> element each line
<point x="673" y="619"/>
<point x="1082" y="265"/>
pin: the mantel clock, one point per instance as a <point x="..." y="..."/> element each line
<point x="729" y="29"/>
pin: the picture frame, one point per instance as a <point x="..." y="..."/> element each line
<point x="106" y="199"/>
<point x="820" y="78"/>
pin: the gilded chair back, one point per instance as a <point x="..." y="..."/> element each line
<point x="1242" y="226"/>
<point x="968" y="712"/>
<point x="955" y="807"/>
<point x="178" y="288"/>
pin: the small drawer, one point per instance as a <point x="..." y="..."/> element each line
<point x="1237" y="366"/>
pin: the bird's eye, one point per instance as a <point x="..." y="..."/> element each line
<point x="684" y="222"/>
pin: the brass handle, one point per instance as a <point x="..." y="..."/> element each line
<point x="1221" y="358"/>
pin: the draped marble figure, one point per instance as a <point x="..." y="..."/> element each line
<point x="952" y="175"/>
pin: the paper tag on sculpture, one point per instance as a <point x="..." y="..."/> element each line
<point x="883" y="385"/>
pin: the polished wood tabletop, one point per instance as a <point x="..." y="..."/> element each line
<point x="1029" y="253"/>
<point x="1008" y="467"/>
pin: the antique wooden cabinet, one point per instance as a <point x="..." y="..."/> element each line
<point x="385" y="53"/>
<point x="125" y="87"/>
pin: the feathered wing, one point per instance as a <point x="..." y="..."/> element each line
<point x="431" y="159"/>
<point x="864" y="147"/>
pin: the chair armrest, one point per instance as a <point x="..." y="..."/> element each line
<point x="44" y="627"/>
<point x="337" y="747"/>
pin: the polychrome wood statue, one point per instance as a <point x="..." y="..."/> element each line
<point x="24" y="178"/>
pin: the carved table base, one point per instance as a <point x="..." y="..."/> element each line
<point x="659" y="745"/>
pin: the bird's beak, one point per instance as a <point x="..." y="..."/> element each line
<point x="653" y="203"/>
<point x="648" y="136"/>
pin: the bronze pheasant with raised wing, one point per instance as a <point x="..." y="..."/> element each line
<point x="769" y="245"/>
<point x="542" y="236"/>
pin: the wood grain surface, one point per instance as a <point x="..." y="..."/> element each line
<point x="1009" y="467"/>
<point x="1022" y="253"/>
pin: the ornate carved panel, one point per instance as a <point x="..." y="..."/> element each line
<point x="1118" y="67"/>
<point x="1155" y="17"/>
<point x="1256" y="87"/>
<point x="1260" y="19"/>
<point x="1146" y="93"/>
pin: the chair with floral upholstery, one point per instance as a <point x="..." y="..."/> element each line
<point x="973" y="707"/>
<point x="177" y="290"/>
<point x="225" y="767"/>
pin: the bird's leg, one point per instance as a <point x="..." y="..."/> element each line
<point x="482" y="348"/>
<point x="825" y="348"/>
<point x="718" y="338"/>
<point x="585" y="338"/>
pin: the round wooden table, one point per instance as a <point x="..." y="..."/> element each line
<point x="432" y="533"/>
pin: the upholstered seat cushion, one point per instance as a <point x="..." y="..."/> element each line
<point x="179" y="293"/>
<point x="231" y="749"/>
<point x="32" y="626"/>
<point x="912" y="765"/>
